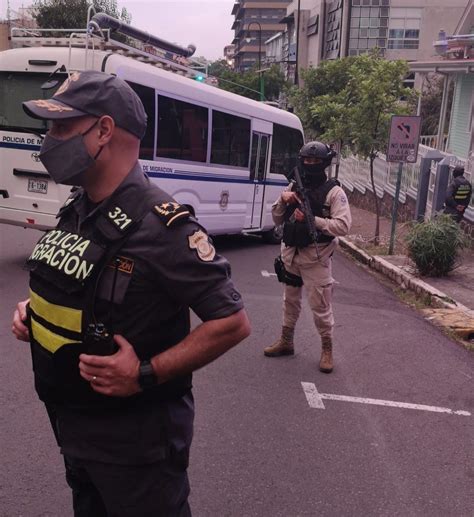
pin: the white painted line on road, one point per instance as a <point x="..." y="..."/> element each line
<point x="266" y="274"/>
<point x="315" y="400"/>
<point x="312" y="396"/>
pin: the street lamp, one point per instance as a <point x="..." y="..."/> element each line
<point x="248" y="39"/>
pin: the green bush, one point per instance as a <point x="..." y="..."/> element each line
<point x="434" y="245"/>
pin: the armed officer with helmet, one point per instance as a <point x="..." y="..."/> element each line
<point x="108" y="311"/>
<point x="308" y="263"/>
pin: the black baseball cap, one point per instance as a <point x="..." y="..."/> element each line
<point x="93" y="93"/>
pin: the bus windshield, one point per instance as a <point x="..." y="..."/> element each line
<point x="16" y="87"/>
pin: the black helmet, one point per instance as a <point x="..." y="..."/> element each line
<point x="316" y="149"/>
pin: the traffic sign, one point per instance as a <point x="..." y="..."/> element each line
<point x="404" y="138"/>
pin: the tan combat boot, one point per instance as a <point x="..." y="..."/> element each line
<point x="325" y="364"/>
<point x="283" y="345"/>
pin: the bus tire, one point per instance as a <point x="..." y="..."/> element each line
<point x="274" y="235"/>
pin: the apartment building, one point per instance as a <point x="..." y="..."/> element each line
<point x="255" y="22"/>
<point x="401" y="29"/>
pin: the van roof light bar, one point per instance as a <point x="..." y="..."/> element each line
<point x="104" y="21"/>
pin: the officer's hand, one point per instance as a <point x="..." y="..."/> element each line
<point x="460" y="208"/>
<point x="113" y="375"/>
<point x="299" y="215"/>
<point x="290" y="198"/>
<point x="19" y="329"/>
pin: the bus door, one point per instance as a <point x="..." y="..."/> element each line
<point x="258" y="168"/>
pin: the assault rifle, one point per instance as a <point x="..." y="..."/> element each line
<point x="305" y="204"/>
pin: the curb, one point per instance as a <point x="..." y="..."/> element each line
<point x="405" y="280"/>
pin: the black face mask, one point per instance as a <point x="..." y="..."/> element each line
<point x="67" y="160"/>
<point x="315" y="175"/>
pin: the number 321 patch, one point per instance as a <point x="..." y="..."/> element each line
<point x="199" y="241"/>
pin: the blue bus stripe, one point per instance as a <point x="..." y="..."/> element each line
<point x="182" y="175"/>
<point x="24" y="147"/>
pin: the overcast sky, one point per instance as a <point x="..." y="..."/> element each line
<point x="206" y="23"/>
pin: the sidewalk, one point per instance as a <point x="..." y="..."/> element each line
<point x="451" y="298"/>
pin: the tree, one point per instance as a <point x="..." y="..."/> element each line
<point x="432" y="95"/>
<point x="247" y="83"/>
<point x="72" y="14"/>
<point x="321" y="84"/>
<point x="357" y="110"/>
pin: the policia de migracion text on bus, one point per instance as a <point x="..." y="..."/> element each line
<point x="108" y="312"/>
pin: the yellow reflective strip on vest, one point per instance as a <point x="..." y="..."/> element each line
<point x="48" y="339"/>
<point x="65" y="317"/>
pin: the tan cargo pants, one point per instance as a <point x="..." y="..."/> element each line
<point x="318" y="282"/>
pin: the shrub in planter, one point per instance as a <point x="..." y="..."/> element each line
<point x="434" y="245"/>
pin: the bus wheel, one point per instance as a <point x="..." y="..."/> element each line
<point x="274" y="235"/>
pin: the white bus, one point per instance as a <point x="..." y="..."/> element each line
<point x="221" y="153"/>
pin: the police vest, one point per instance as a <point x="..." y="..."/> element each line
<point x="296" y="233"/>
<point x="65" y="273"/>
<point x="462" y="194"/>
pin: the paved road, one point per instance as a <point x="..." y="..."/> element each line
<point x="260" y="449"/>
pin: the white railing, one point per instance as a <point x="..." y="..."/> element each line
<point x="432" y="141"/>
<point x="354" y="173"/>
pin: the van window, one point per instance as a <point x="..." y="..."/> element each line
<point x="147" y="96"/>
<point x="182" y="130"/>
<point x="17" y="87"/>
<point x="286" y="144"/>
<point x="230" y="139"/>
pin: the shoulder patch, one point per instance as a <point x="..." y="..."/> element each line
<point x="199" y="241"/>
<point x="171" y="212"/>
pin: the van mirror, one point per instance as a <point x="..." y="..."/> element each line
<point x="49" y="84"/>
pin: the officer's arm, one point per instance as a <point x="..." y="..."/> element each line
<point x="450" y="201"/>
<point x="279" y="208"/>
<point x="204" y="344"/>
<point x="340" y="221"/>
<point x="19" y="329"/>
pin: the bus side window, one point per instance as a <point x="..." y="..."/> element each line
<point x="286" y="143"/>
<point x="182" y="130"/>
<point x="147" y="96"/>
<point x="230" y="139"/>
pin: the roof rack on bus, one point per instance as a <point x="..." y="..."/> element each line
<point x="140" y="45"/>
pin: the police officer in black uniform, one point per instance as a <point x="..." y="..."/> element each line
<point x="458" y="195"/>
<point x="108" y="313"/>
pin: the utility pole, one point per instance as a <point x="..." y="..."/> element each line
<point x="297" y="41"/>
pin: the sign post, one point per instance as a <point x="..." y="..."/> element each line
<point x="402" y="148"/>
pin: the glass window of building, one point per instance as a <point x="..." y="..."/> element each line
<point x="404" y="28"/>
<point x="230" y="139"/>
<point x="371" y="18"/>
<point x="182" y="130"/>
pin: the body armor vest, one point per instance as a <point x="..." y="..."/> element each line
<point x="65" y="274"/>
<point x="463" y="192"/>
<point x="295" y="233"/>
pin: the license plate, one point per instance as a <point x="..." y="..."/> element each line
<point x="38" y="186"/>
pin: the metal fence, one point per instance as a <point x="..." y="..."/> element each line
<point x="354" y="173"/>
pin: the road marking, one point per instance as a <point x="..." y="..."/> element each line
<point x="315" y="400"/>
<point x="266" y="274"/>
<point x="312" y="395"/>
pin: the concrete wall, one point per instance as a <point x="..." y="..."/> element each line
<point x="436" y="14"/>
<point x="315" y="41"/>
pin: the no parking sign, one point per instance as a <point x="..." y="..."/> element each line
<point x="404" y="139"/>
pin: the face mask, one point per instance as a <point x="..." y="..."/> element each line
<point x="315" y="174"/>
<point x="67" y="160"/>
